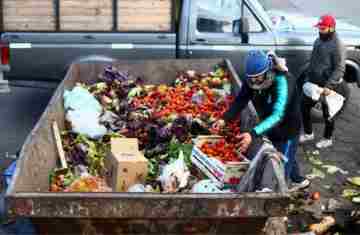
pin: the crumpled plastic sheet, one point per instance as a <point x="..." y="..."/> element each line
<point x="175" y="175"/>
<point x="83" y="111"/>
<point x="207" y="186"/>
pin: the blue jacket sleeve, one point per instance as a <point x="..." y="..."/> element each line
<point x="241" y="100"/>
<point x="278" y="109"/>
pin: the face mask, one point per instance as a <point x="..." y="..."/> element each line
<point x="264" y="84"/>
<point x="325" y="36"/>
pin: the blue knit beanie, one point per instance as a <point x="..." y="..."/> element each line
<point x="257" y="63"/>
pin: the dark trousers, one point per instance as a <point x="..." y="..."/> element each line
<point x="289" y="149"/>
<point x="307" y="105"/>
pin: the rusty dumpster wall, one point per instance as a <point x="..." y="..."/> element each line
<point x="124" y="213"/>
<point x="38" y="155"/>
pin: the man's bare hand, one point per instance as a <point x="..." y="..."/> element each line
<point x="245" y="141"/>
<point x="326" y="92"/>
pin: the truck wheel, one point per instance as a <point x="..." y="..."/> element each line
<point x="352" y="73"/>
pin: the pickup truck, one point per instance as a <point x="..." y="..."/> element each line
<point x="197" y="29"/>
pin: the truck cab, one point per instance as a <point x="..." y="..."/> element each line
<point x="288" y="32"/>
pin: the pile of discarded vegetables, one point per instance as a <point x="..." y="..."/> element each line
<point x="164" y="118"/>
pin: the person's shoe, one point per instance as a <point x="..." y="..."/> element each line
<point x="324" y="143"/>
<point x="306" y="137"/>
<point x="300" y="186"/>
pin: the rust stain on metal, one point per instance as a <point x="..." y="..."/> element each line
<point x="149" y="208"/>
<point x="24" y="207"/>
<point x="231" y="210"/>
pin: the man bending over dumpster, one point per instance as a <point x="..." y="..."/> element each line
<point x="275" y="96"/>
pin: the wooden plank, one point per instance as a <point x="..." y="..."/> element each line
<point x="27" y="3"/>
<point x="28" y="15"/>
<point x="144" y="15"/>
<point x="30" y="19"/>
<point x="144" y="27"/>
<point x="86" y="4"/>
<point x="86" y="15"/>
<point x="27" y="12"/>
<point x="149" y="4"/>
<point x="82" y="12"/>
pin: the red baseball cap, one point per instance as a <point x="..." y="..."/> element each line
<point x="326" y="21"/>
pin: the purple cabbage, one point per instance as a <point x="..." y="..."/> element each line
<point x="77" y="155"/>
<point x="111" y="74"/>
<point x="180" y="128"/>
<point x="164" y="133"/>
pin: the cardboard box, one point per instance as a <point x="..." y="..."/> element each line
<point x="223" y="174"/>
<point x="126" y="165"/>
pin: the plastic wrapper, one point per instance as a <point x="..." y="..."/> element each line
<point x="81" y="99"/>
<point x="86" y="122"/>
<point x="312" y="91"/>
<point x="83" y="112"/>
<point x="206" y="186"/>
<point x="137" y="188"/>
<point x="335" y="102"/>
<point x="175" y="176"/>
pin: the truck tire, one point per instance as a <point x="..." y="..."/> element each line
<point x="352" y="74"/>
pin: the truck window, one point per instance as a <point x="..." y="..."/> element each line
<point x="217" y="16"/>
<point x="254" y="24"/>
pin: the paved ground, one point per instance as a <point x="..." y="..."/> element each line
<point x="19" y="112"/>
<point x="343" y="154"/>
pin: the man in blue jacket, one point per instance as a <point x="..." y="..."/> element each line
<point x="277" y="101"/>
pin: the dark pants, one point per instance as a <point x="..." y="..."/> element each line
<point x="289" y="149"/>
<point x="307" y="105"/>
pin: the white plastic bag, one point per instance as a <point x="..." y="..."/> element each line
<point x="86" y="122"/>
<point x="312" y="91"/>
<point x="80" y="99"/>
<point x="206" y="186"/>
<point x="83" y="112"/>
<point x="335" y="102"/>
<point x="175" y="176"/>
<point x="137" y="188"/>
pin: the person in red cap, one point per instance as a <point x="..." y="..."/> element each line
<point x="326" y="69"/>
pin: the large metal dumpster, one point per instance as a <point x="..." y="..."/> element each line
<point x="124" y="213"/>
